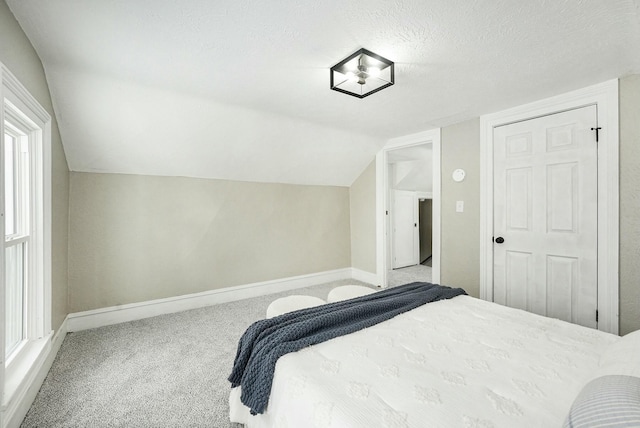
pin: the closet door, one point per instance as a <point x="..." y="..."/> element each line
<point x="545" y="215"/>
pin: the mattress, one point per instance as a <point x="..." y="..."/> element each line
<point x="462" y="362"/>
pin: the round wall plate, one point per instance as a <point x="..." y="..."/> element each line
<point x="458" y="175"/>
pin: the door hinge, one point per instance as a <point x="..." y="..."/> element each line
<point x="597" y="133"/>
<point x="596" y="315"/>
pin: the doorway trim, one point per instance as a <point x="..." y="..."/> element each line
<point x="382" y="200"/>
<point x="605" y="97"/>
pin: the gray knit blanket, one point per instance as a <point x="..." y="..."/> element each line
<point x="267" y="340"/>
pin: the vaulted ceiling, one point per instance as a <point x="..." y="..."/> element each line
<point x="240" y="89"/>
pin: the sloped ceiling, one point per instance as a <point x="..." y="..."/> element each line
<point x="240" y="89"/>
<point x="412" y="168"/>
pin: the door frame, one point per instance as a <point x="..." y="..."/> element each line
<point x="382" y="201"/>
<point x="605" y="97"/>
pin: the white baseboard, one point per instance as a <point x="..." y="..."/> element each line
<point x="151" y="308"/>
<point x="364" y="276"/>
<point x="21" y="400"/>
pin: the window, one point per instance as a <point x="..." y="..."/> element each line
<point x="25" y="201"/>
<point x="17" y="227"/>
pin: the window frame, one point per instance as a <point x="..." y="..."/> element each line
<point x="22" y="109"/>
<point x="26" y="195"/>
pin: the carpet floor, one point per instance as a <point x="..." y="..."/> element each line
<point x="166" y="371"/>
<point x="417" y="273"/>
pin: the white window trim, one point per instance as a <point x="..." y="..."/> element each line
<point x="605" y="97"/>
<point x="16" y="379"/>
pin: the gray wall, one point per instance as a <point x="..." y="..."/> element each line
<point x="362" y="202"/>
<point x="136" y="238"/>
<point x="629" y="204"/>
<point x="460" y="232"/>
<point x="17" y="54"/>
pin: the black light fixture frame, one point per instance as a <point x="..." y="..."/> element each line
<point x="339" y="67"/>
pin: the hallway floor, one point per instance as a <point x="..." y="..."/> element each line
<point x="409" y="274"/>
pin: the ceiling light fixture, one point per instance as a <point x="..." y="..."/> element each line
<point x="362" y="73"/>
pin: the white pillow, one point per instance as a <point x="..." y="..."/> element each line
<point x="621" y="357"/>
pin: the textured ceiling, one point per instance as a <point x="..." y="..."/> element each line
<point x="239" y="89"/>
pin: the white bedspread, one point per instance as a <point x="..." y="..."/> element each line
<point x="462" y="362"/>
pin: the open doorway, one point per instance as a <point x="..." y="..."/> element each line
<point x="425" y="226"/>
<point x="408" y="187"/>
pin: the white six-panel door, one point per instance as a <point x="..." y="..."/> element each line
<point x="404" y="223"/>
<point x="545" y="212"/>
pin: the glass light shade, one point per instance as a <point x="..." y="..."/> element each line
<point x="361" y="74"/>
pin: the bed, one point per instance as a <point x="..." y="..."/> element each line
<point x="461" y="362"/>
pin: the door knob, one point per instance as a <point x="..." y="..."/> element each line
<point x="499" y="240"/>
